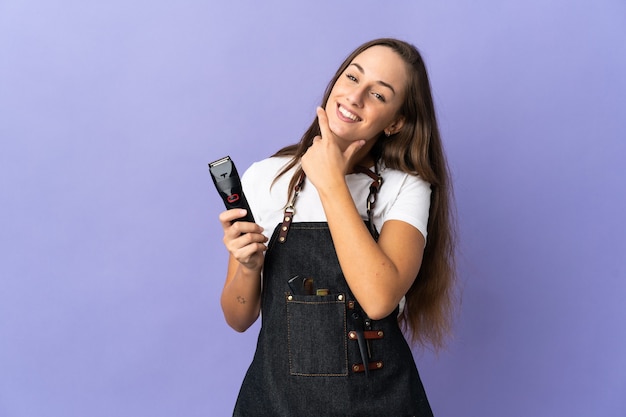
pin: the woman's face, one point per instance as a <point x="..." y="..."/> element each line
<point x="366" y="98"/>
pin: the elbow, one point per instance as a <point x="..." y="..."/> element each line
<point x="239" y="325"/>
<point x="239" y="320"/>
<point x="378" y="309"/>
<point x="379" y="303"/>
<point x="378" y="314"/>
<point x="238" y="328"/>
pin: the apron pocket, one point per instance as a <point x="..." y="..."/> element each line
<point x="316" y="335"/>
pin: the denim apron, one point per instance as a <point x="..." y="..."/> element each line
<point x="318" y="354"/>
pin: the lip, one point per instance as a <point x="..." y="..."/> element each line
<point x="345" y="118"/>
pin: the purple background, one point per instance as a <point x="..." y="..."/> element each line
<point x="111" y="261"/>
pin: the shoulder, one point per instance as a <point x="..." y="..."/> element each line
<point x="268" y="167"/>
<point x="267" y="195"/>
<point x="406" y="197"/>
<point x="261" y="175"/>
<point x="398" y="182"/>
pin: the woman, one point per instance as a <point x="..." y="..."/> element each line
<point x="331" y="288"/>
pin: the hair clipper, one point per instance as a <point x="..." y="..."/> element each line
<point x="228" y="185"/>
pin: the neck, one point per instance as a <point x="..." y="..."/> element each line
<point x="363" y="157"/>
<point x="367" y="162"/>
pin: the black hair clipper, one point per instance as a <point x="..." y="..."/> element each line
<point x="228" y="184"/>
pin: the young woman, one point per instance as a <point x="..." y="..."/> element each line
<point x="353" y="237"/>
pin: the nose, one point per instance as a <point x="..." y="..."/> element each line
<point x="355" y="97"/>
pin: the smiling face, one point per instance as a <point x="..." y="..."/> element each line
<point x="368" y="95"/>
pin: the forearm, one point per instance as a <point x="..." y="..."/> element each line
<point x="370" y="273"/>
<point x="241" y="296"/>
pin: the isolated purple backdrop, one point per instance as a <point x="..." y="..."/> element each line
<point x="111" y="261"/>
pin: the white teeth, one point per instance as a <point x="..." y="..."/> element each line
<point x="349" y="115"/>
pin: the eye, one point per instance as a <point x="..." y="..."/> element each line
<point x="351" y="77"/>
<point x="378" y="96"/>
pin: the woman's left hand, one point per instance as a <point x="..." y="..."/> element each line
<point x="325" y="162"/>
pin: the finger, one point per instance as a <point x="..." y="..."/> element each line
<point x="226" y="217"/>
<point x="245" y="245"/>
<point x="244" y="240"/>
<point x="251" y="248"/>
<point x="248" y="243"/>
<point x="353" y="148"/>
<point x="305" y="158"/>
<point x="323" y="122"/>
<point x="246" y="254"/>
<point x="243" y="228"/>
<point x="229" y="216"/>
<point x="229" y="225"/>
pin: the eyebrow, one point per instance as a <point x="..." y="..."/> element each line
<point x="360" y="68"/>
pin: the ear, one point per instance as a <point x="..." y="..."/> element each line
<point x="395" y="126"/>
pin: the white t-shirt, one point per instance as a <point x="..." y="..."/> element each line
<point x="402" y="196"/>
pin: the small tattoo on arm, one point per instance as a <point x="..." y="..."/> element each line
<point x="241" y="300"/>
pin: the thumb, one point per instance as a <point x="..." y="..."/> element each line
<point x="353" y="148"/>
<point x="322" y="118"/>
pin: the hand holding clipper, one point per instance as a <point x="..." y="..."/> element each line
<point x="228" y="185"/>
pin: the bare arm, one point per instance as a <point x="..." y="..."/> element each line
<point x="378" y="273"/>
<point x="241" y="295"/>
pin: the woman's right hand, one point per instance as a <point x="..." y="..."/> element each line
<point x="244" y="240"/>
<point x="241" y="296"/>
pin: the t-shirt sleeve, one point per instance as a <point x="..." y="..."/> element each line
<point x="412" y="203"/>
<point x="264" y="199"/>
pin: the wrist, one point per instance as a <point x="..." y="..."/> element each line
<point x="247" y="273"/>
<point x="333" y="189"/>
